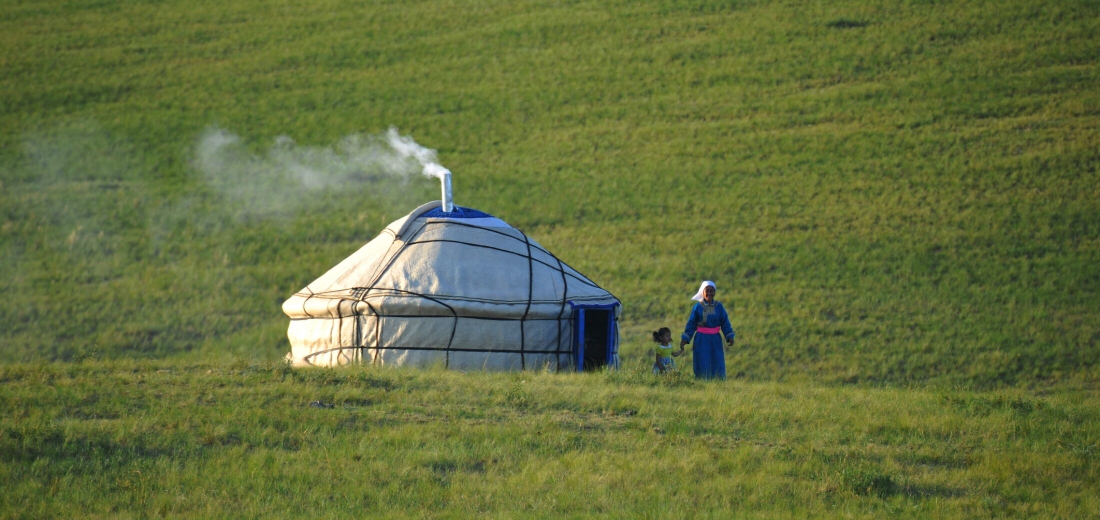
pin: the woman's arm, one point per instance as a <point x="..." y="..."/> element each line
<point x="689" y="329"/>
<point x="727" y="329"/>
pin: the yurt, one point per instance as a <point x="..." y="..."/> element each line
<point x="455" y="287"/>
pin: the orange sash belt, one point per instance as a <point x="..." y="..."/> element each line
<point x="708" y="330"/>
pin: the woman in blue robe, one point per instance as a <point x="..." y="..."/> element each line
<point x="708" y="323"/>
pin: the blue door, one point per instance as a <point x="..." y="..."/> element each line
<point x="596" y="337"/>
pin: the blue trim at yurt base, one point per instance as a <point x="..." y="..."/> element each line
<point x="612" y="333"/>
<point x="458" y="213"/>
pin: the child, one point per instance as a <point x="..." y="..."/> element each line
<point x="664" y="352"/>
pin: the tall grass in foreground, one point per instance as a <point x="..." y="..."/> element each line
<point x="129" y="439"/>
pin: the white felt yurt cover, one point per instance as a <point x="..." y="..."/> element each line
<point x="462" y="289"/>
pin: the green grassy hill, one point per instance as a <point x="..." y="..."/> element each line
<point x="900" y="201"/>
<point x="885" y="192"/>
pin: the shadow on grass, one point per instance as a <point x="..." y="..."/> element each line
<point x="846" y="23"/>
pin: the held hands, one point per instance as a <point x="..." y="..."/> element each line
<point x="682" y="343"/>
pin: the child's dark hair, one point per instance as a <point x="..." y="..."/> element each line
<point x="660" y="332"/>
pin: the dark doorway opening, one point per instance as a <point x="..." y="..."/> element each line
<point x="597" y="340"/>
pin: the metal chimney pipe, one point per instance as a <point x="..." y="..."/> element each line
<point x="448" y="204"/>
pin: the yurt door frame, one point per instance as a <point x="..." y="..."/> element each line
<point x="611" y="341"/>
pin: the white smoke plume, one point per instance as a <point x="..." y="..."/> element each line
<point x="282" y="179"/>
<point x="406" y="147"/>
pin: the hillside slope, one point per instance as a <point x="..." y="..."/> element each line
<point x="883" y="192"/>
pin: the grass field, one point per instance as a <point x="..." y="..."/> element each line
<point x="891" y="193"/>
<point x="900" y="201"/>
<point x="137" y="439"/>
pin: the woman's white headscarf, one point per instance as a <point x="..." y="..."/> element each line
<point x="702" y="290"/>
